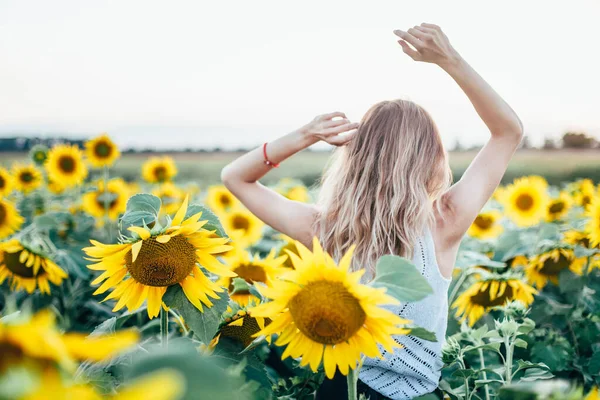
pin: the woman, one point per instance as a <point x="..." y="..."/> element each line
<point x="389" y="192"/>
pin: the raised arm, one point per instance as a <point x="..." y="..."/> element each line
<point x="466" y="198"/>
<point x="289" y="217"/>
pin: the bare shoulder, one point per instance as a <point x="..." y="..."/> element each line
<point x="445" y="237"/>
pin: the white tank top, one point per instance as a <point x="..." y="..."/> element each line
<point x="414" y="369"/>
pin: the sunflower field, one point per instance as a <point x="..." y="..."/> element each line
<point x="154" y="289"/>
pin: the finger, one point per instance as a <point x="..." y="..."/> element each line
<point x="335" y="122"/>
<point x="339" y="129"/>
<point x="341" y="140"/>
<point x="430" y="31"/>
<point x="422" y="36"/>
<point x="332" y="115"/>
<point x="412" y="53"/>
<point x="432" y="26"/>
<point x="416" y="43"/>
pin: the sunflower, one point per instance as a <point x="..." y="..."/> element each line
<point x="37" y="339"/>
<point x="220" y="199"/>
<point x="27" y="269"/>
<point x="240" y="326"/>
<point x="243" y="221"/>
<point x="55" y="187"/>
<point x="252" y="269"/>
<point x="297" y="193"/>
<point x="559" y="207"/>
<point x="289" y="244"/>
<point x="26" y="177"/>
<point x="164" y="384"/>
<point x="65" y="165"/>
<point x="10" y="219"/>
<point x="585" y="191"/>
<point x="170" y="196"/>
<point x="525" y="201"/>
<point x="592" y="227"/>
<point x="144" y="268"/>
<point x="101" y="151"/>
<point x="494" y="290"/>
<point x="322" y="312"/>
<point x="38" y="154"/>
<point x="112" y="199"/>
<point x="159" y="169"/>
<point x="486" y="225"/>
<point x="6" y="182"/>
<point x="547" y="266"/>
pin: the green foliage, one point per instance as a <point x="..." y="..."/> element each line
<point x="204" y="323"/>
<point x="401" y="279"/>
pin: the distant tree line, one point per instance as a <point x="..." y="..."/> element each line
<point x="570" y="140"/>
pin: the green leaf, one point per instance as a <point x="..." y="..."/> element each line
<point x="520" y="343"/>
<point x="468" y="259"/>
<point x="137" y="218"/>
<point x="556" y="357"/>
<point x="401" y="279"/>
<point x="534" y="374"/>
<point x="240" y="285"/>
<point x="526" y="326"/>
<point x="204" y="377"/>
<point x="464" y="373"/>
<point x="549" y="232"/>
<point x="213" y="224"/>
<point x="142" y="209"/>
<point x="144" y="202"/>
<point x="423" y="333"/>
<point x="203" y="324"/>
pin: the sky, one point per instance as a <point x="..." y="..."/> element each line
<point x="237" y="73"/>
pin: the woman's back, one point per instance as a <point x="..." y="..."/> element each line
<point x="414" y="369"/>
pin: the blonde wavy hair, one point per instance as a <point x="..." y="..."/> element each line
<point x="381" y="189"/>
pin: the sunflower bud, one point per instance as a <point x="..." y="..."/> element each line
<point x="450" y="351"/>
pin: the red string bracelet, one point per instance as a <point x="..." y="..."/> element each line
<point x="267" y="161"/>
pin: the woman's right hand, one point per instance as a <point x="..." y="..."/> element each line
<point x="429" y="44"/>
<point x="334" y="128"/>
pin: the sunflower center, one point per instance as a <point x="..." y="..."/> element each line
<point x="26" y="177"/>
<point x="552" y="267"/>
<point x="482" y="298"/>
<point x="557" y="207"/>
<point x="160" y="173"/>
<point x="2" y="182"/>
<point x="225" y="200"/>
<point x="103" y="150"/>
<point x="3" y="214"/>
<point x="108" y="198"/>
<point x="162" y="264"/>
<point x="66" y="164"/>
<point x="242" y="333"/>
<point x="484" y="222"/>
<point x="240" y="222"/>
<point x="586" y="199"/>
<point x="326" y="312"/>
<point x="39" y="156"/>
<point x="524" y="202"/>
<point x="11" y="260"/>
<point x="251" y="273"/>
<point x="11" y="355"/>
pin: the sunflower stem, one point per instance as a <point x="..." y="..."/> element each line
<point x="106" y="203"/>
<point x="457" y="286"/>
<point x="482" y="361"/>
<point x="352" y="383"/>
<point x="164" y="328"/>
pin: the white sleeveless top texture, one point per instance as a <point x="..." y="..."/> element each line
<point x="415" y="369"/>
